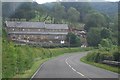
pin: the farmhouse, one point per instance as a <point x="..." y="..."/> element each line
<point x="36" y="32"/>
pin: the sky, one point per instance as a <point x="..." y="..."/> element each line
<point x="45" y="1"/>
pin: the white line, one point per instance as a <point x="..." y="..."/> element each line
<point x="70" y="66"/>
<point x="37" y="71"/>
<point x="73" y="68"/>
<point x="80" y="73"/>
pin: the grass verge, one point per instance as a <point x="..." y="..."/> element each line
<point x="103" y="66"/>
<point x="34" y="68"/>
<point x="39" y="61"/>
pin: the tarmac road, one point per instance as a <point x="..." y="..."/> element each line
<point x="70" y="66"/>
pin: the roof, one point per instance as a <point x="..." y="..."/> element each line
<point x="56" y="26"/>
<point x="25" y="24"/>
<point x="35" y="25"/>
<point x="34" y="33"/>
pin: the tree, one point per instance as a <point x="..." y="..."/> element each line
<point x="29" y="15"/>
<point x="116" y="56"/>
<point x="39" y="11"/>
<point x="8" y="9"/>
<point x="58" y="12"/>
<point x="106" y="43"/>
<point x="73" y="14"/>
<point x="25" y="11"/>
<point x="94" y="19"/>
<point x="105" y="33"/>
<point x="83" y="8"/>
<point x="93" y="37"/>
<point x="73" y="39"/>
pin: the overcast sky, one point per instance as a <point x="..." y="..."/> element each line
<point x="44" y="1"/>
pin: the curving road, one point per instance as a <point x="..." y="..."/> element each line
<point x="69" y="66"/>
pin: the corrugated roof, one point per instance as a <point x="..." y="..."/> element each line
<point x="35" y="25"/>
<point x="56" y="26"/>
<point x="55" y="33"/>
<point x="25" y="24"/>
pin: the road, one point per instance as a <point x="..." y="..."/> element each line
<point x="70" y="66"/>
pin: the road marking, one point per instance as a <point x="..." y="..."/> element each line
<point x="79" y="73"/>
<point x="66" y="60"/>
<point x="37" y="71"/>
<point x="73" y="68"/>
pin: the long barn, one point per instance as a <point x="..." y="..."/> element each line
<point x="36" y="32"/>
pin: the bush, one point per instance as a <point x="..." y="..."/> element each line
<point x="116" y="56"/>
<point x="73" y="40"/>
<point x="99" y="56"/>
<point x="106" y="43"/>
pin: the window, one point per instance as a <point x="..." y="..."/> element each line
<point x="13" y="29"/>
<point x="13" y="36"/>
<point x="49" y="29"/>
<point x="56" y="37"/>
<point x="23" y="29"/>
<point x="38" y="29"/>
<point x="19" y="38"/>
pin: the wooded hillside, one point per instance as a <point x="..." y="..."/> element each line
<point x="103" y="16"/>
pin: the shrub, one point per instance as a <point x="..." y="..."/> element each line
<point x="116" y="55"/>
<point x="106" y="43"/>
<point x="98" y="56"/>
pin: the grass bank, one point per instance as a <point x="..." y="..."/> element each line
<point x="38" y="61"/>
<point x="32" y="70"/>
<point x="103" y="66"/>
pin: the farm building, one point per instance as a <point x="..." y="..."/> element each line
<point x="36" y="32"/>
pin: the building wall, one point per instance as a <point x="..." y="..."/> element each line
<point x="52" y="38"/>
<point x="37" y="34"/>
<point x="14" y="29"/>
<point x="38" y="38"/>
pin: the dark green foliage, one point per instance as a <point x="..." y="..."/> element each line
<point x="109" y="8"/>
<point x="105" y="33"/>
<point x="84" y="8"/>
<point x="94" y="19"/>
<point x="59" y="11"/>
<point x="73" y="39"/>
<point x="105" y="53"/>
<point x="18" y="10"/>
<point x="73" y="14"/>
<point x="116" y="56"/>
<point x="99" y="56"/>
<point x="106" y="43"/>
<point x="93" y="37"/>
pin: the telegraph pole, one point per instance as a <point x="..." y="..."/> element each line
<point x="69" y="43"/>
